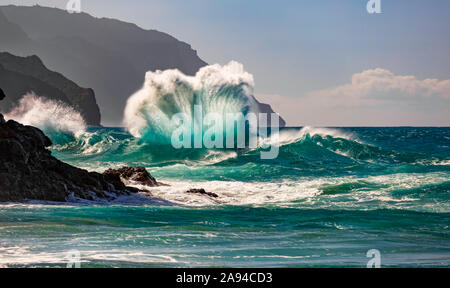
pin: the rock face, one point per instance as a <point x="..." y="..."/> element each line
<point x="13" y="37"/>
<point x="202" y="192"/>
<point x="20" y="75"/>
<point x="28" y="171"/>
<point x="266" y="108"/>
<point x="131" y="175"/>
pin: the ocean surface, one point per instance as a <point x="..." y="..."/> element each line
<point x="331" y="195"/>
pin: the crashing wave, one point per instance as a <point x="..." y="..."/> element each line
<point x="53" y="117"/>
<point x="215" y="89"/>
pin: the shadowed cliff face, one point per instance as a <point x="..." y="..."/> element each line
<point x="21" y="75"/>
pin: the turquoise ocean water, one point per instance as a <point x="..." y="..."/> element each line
<point x="331" y="195"/>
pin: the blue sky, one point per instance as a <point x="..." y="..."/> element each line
<point x="303" y="54"/>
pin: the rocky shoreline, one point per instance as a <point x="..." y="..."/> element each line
<point x="28" y="171"/>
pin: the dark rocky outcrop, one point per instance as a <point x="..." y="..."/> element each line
<point x="202" y="192"/>
<point x="21" y="75"/>
<point x="28" y="171"/>
<point x="12" y="36"/>
<point x="131" y="176"/>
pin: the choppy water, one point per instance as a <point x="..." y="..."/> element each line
<point x="330" y="196"/>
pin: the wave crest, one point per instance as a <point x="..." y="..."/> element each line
<point x="51" y="116"/>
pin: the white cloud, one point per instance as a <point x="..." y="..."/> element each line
<point x="375" y="97"/>
<point x="378" y="86"/>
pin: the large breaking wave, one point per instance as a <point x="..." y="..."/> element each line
<point x="57" y="120"/>
<point x="216" y="89"/>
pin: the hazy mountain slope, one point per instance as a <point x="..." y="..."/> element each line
<point x="266" y="108"/>
<point x="20" y="75"/>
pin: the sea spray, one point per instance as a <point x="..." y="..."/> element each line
<point x="216" y="89"/>
<point x="58" y="120"/>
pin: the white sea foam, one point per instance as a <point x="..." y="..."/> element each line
<point x="306" y="189"/>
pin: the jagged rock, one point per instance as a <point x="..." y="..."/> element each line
<point x="202" y="192"/>
<point x="2" y="96"/>
<point x="131" y="175"/>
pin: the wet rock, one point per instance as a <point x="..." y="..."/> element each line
<point x="202" y="192"/>
<point x="28" y="171"/>
<point x="131" y="175"/>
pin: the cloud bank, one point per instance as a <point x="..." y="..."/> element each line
<point x="373" y="97"/>
<point x="377" y="86"/>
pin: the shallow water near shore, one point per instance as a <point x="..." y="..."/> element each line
<point x="330" y="196"/>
